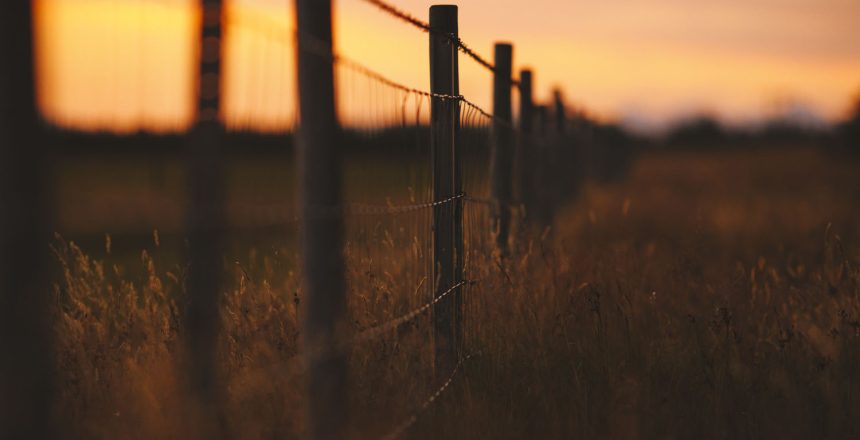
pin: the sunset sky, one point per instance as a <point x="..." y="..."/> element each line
<point x="125" y="65"/>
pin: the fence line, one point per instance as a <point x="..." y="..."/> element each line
<point x="392" y="324"/>
<point x="323" y="212"/>
<point x="405" y="16"/>
<point x="294" y="363"/>
<point x="310" y="44"/>
<point x="451" y="295"/>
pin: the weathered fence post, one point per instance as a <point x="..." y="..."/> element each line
<point x="525" y="149"/>
<point x="322" y="250"/>
<point x="503" y="144"/>
<point x="447" y="264"/>
<point x="26" y="368"/>
<point x="205" y="222"/>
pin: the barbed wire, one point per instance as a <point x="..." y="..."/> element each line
<point x="323" y="49"/>
<point x="381" y="329"/>
<point x="472" y="54"/>
<point x="276" y="30"/>
<point x="405" y="16"/>
<point x="366" y="209"/>
<point x="359" y="68"/>
<point x="424" y="26"/>
<point x="401" y="428"/>
<point x="309" y="43"/>
<point x="295" y="364"/>
<point x="354" y="209"/>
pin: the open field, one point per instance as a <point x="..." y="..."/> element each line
<point x="706" y="295"/>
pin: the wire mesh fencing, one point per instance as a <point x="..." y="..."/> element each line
<point x="408" y="179"/>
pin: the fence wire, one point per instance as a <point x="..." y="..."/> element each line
<point x="424" y="26"/>
<point x="388" y="185"/>
<point x="404" y="426"/>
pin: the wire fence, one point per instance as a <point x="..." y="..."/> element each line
<point x="408" y="18"/>
<point x="406" y="208"/>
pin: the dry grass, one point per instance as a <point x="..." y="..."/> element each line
<point x="706" y="296"/>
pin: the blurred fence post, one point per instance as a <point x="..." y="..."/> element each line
<point x="458" y="205"/>
<point x="560" y="115"/>
<point x="447" y="265"/>
<point x="322" y="249"/>
<point x="569" y="162"/>
<point x="205" y="222"/>
<point x="525" y="149"/>
<point x="26" y="369"/>
<point x="503" y="146"/>
<point x="546" y="185"/>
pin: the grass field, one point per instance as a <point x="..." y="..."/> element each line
<point x="707" y="295"/>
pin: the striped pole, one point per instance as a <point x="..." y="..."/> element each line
<point x="205" y="223"/>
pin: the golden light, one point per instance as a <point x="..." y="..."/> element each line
<point x="127" y="65"/>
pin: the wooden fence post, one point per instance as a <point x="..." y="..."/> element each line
<point x="569" y="161"/>
<point x="205" y="222"/>
<point x="26" y="367"/>
<point x="545" y="170"/>
<point x="447" y="217"/>
<point x="503" y="144"/>
<point x="322" y="250"/>
<point x="525" y="148"/>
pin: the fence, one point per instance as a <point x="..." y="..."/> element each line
<point x="474" y="175"/>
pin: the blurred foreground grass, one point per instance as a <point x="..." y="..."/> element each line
<point x="707" y="295"/>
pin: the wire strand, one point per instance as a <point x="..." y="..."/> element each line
<point x="424" y="26"/>
<point x="401" y="428"/>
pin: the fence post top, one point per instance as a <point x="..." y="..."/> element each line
<point x="443" y="8"/>
<point x="526" y="76"/>
<point x="444" y="15"/>
<point x="503" y="49"/>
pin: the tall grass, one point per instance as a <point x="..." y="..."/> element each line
<point x="706" y="296"/>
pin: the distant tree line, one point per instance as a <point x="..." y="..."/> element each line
<point x="705" y="132"/>
<point x="848" y="133"/>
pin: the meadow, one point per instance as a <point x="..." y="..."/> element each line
<point x="705" y="295"/>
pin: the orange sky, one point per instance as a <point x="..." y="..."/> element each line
<point x="124" y="65"/>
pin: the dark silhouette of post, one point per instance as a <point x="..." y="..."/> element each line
<point x="545" y="172"/>
<point x="26" y="370"/>
<point x="322" y="250"/>
<point x="503" y="144"/>
<point x="569" y="162"/>
<point x="458" y="207"/>
<point x="447" y="217"/>
<point x="559" y="113"/>
<point x="205" y="222"/>
<point x="543" y="120"/>
<point x="526" y="156"/>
